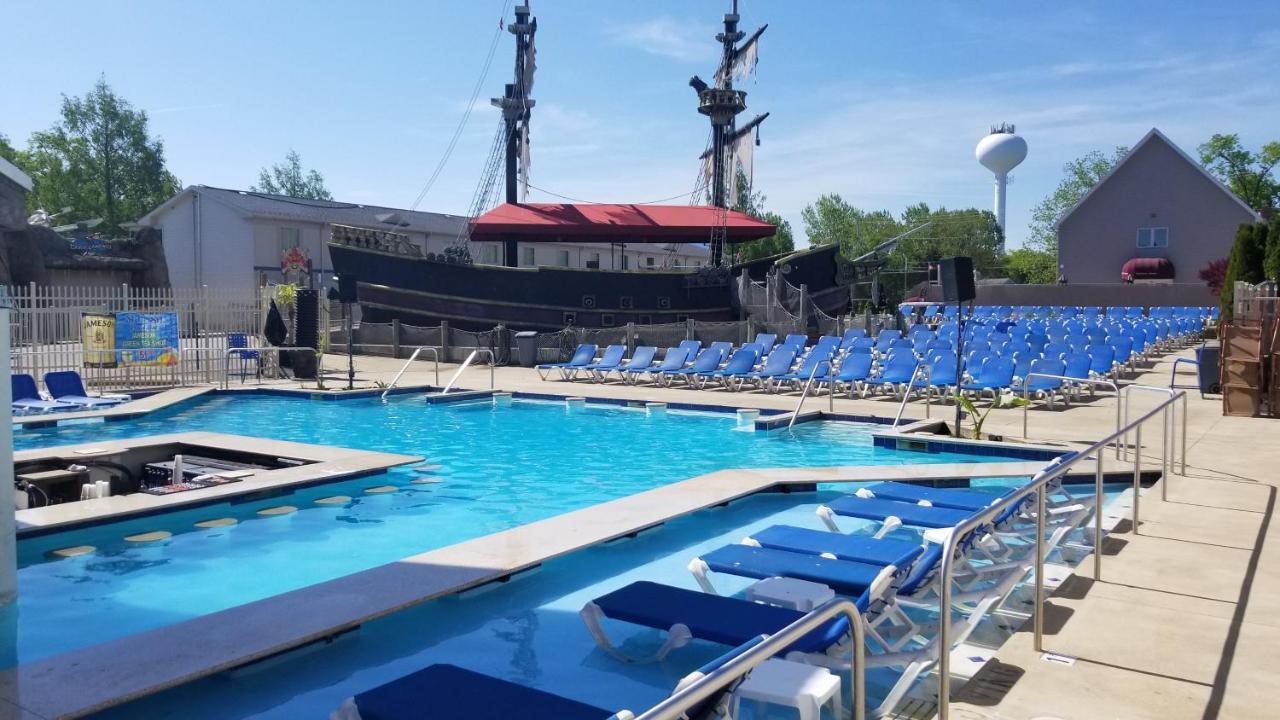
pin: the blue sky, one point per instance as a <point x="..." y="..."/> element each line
<point x="880" y="102"/>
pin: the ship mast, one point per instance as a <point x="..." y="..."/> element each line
<point x="516" y="106"/>
<point x="722" y="104"/>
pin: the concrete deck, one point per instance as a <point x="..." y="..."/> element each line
<point x="325" y="464"/>
<point x="125" y="411"/>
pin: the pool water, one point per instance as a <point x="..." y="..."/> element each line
<point x="502" y="467"/>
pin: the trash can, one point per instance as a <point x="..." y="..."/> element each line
<point x="1208" y="359"/>
<point x="527" y="348"/>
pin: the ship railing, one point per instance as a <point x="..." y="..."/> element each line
<point x="435" y="354"/>
<point x="467" y="363"/>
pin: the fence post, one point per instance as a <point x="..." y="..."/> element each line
<point x="395" y="337"/>
<point x="804" y="308"/>
<point x="688" y="333"/>
<point x="631" y="338"/>
<point x="444" y="340"/>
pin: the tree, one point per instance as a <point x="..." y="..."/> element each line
<point x="1248" y="174"/>
<point x="1271" y="259"/>
<point x="8" y="152"/>
<point x="1214" y="274"/>
<point x="1031" y="267"/>
<point x="751" y="202"/>
<point x="1245" y="263"/>
<point x="830" y="220"/>
<point x="1080" y="175"/>
<point x="99" y="160"/>
<point x="289" y="179"/>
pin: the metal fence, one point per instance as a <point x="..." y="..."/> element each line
<point x="45" y="330"/>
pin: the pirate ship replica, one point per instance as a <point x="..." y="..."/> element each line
<point x="397" y="280"/>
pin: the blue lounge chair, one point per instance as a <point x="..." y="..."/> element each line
<point x="27" y="399"/>
<point x="641" y="360"/>
<point x="1045" y="387"/>
<point x="673" y="360"/>
<point x="692" y="347"/>
<point x="742" y="363"/>
<point x="584" y="355"/>
<point x="870" y="584"/>
<point x="66" y="386"/>
<point x="942" y="376"/>
<point x="690" y="614"/>
<point x="813" y="364"/>
<point x="766" y="342"/>
<point x="896" y="373"/>
<point x="707" y="361"/>
<point x="854" y="370"/>
<point x="610" y="360"/>
<point x="454" y="693"/>
<point x="954" y="498"/>
<point x="778" y="364"/>
<point x="996" y="375"/>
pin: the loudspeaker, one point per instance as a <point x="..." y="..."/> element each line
<point x="306" y="331"/>
<point x="957" y="279"/>
<point x="347" y="289"/>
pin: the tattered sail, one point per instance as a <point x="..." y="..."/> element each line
<point x="743" y="61"/>
<point x="524" y="162"/>
<point x="530" y="64"/>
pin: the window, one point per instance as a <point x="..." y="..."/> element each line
<point x="489" y="254"/>
<point x="1153" y="237"/>
<point x="290" y="237"/>
<point x="562" y="258"/>
<point x="648" y="261"/>
<point x="526" y="257"/>
<point x="593" y="260"/>
<point x="626" y="262"/>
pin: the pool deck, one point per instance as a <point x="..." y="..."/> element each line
<point x="325" y="463"/>
<point x="132" y="409"/>
<point x="1185" y="622"/>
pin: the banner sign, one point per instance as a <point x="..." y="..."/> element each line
<point x="98" y="333"/>
<point x="147" y="338"/>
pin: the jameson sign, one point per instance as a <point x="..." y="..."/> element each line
<point x="147" y="338"/>
<point x="129" y="339"/>
<point x="98" y="333"/>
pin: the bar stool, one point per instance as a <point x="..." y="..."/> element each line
<point x="807" y="688"/>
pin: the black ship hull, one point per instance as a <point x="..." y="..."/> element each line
<point x="421" y="291"/>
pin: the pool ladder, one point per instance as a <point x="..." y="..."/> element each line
<point x="467" y="363"/>
<point x="831" y="402"/>
<point x="435" y="354"/>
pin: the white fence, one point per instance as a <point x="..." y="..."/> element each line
<point x="45" y="328"/>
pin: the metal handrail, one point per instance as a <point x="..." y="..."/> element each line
<point x="805" y="392"/>
<point x="716" y="681"/>
<point x="902" y="406"/>
<point x="1171" y="422"/>
<point x="226" y="360"/>
<point x="1055" y="469"/>
<point x="1092" y="381"/>
<point x="466" y="363"/>
<point x="435" y="353"/>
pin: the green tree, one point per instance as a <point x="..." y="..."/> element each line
<point x="9" y="152"/>
<point x="288" y="178"/>
<point x="1245" y="264"/>
<point x="99" y="160"/>
<point x="1248" y="174"/>
<point x="830" y="219"/>
<point x="1079" y="176"/>
<point x="1271" y="261"/>
<point x="1031" y="267"/>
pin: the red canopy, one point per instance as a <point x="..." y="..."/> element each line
<point x="615" y="223"/>
<point x="1147" y="268"/>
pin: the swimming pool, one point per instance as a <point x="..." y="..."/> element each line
<point x="527" y="631"/>
<point x="501" y="467"/>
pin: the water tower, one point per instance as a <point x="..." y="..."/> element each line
<point x="1001" y="151"/>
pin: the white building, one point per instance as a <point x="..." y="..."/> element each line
<point x="237" y="239"/>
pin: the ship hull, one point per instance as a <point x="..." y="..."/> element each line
<point x="420" y="291"/>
